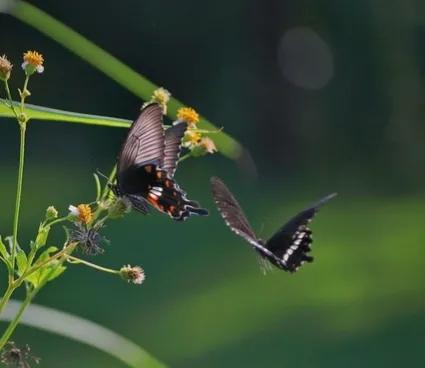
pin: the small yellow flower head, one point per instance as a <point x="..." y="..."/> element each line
<point x="33" y="62"/>
<point x="5" y="68"/>
<point x="51" y="213"/>
<point x="161" y="96"/>
<point x="188" y="115"/>
<point x="208" y="144"/>
<point x="82" y="212"/>
<point x="135" y="274"/>
<point x="192" y="138"/>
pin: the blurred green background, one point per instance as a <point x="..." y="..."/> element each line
<point x="327" y="96"/>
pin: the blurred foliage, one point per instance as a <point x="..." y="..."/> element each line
<point x="205" y="302"/>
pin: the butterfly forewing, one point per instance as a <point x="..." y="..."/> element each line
<point x="145" y="141"/>
<point x="173" y="138"/>
<point x="232" y="212"/>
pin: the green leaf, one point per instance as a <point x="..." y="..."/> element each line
<point x="3" y="250"/>
<point x="113" y="68"/>
<point x="51" y="270"/>
<point x="44" y="113"/>
<point x="56" y="272"/>
<point x="98" y="187"/>
<point x="21" y="261"/>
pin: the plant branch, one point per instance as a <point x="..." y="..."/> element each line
<point x="22" y="127"/>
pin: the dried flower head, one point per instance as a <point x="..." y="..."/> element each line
<point x="208" y="144"/>
<point x="5" y="68"/>
<point x="33" y="62"/>
<point x="83" y="212"/>
<point x="161" y="96"/>
<point x="135" y="274"/>
<point x="89" y="240"/>
<point x="12" y="356"/>
<point x="188" y="115"/>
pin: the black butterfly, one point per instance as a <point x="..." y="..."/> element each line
<point x="147" y="163"/>
<point x="288" y="248"/>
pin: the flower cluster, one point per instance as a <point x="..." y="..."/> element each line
<point x="87" y="236"/>
<point x="194" y="139"/>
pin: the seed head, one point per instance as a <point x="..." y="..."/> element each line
<point x="135" y="274"/>
<point x="5" y="68"/>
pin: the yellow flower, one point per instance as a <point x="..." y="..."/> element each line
<point x="191" y="138"/>
<point x="5" y="68"/>
<point x="188" y="115"/>
<point x="83" y="212"/>
<point x="208" y="144"/>
<point x="33" y="61"/>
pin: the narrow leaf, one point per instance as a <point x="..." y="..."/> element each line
<point x="112" y="67"/>
<point x="84" y="331"/>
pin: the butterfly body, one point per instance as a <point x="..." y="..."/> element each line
<point x="288" y="248"/>
<point x="147" y="164"/>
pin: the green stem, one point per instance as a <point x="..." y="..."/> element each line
<point x="22" y="127"/>
<point x="111" y="178"/>
<point x="9" y="97"/>
<point x="184" y="157"/>
<point x="12" y="325"/>
<point x="5" y="298"/>
<point x="76" y="260"/>
<point x="24" y="93"/>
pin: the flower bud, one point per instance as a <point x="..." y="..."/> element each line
<point x="51" y="213"/>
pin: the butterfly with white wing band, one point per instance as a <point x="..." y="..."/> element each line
<point x="147" y="163"/>
<point x="287" y="249"/>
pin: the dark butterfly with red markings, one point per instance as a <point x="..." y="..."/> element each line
<point x="147" y="163"/>
<point x="288" y="248"/>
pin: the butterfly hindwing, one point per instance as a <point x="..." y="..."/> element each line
<point x="166" y="196"/>
<point x="292" y="243"/>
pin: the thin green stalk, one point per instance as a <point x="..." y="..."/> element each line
<point x="111" y="178"/>
<point x="12" y="325"/>
<point x="18" y="196"/>
<point x="76" y="260"/>
<point x="9" y="97"/>
<point x="184" y="157"/>
<point x="24" y="93"/>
